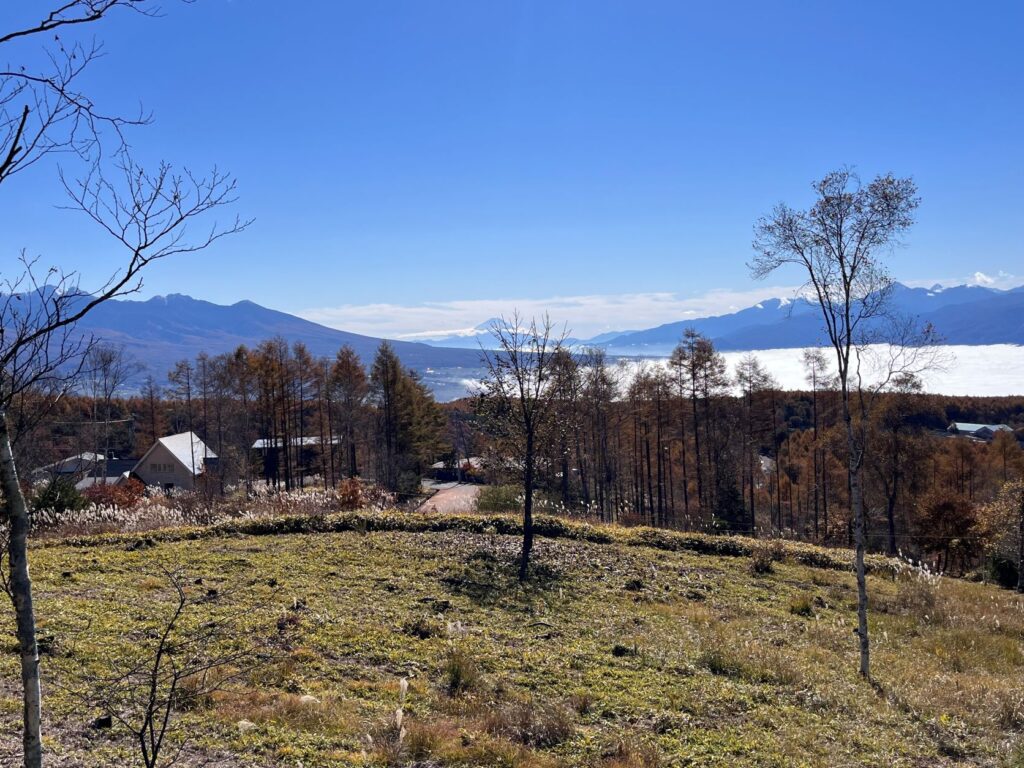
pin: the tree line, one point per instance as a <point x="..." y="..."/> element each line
<point x="685" y="444"/>
<point x="273" y="413"/>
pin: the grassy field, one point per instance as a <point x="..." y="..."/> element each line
<point x="628" y="648"/>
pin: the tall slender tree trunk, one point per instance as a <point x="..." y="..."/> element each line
<point x="1020" y="546"/>
<point x="824" y="500"/>
<point x="696" y="451"/>
<point x="647" y="471"/>
<point x="857" y="508"/>
<point x="686" y="475"/>
<point x="524" y="559"/>
<point x="890" y="512"/>
<point x="753" y="503"/>
<point x="21" y="595"/>
<point x="814" y="408"/>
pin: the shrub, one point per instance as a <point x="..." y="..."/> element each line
<point x="59" y="496"/>
<point x="350" y="494"/>
<point x="764" y="555"/>
<point x="461" y="673"/>
<point x="122" y="496"/>
<point x="801" y="605"/>
<point x="531" y="723"/>
<point x="423" y="627"/>
<point x="1003" y="571"/>
<point x="499" y="498"/>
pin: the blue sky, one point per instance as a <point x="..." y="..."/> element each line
<point x="423" y="165"/>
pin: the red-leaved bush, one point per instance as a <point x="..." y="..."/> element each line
<point x="123" y="495"/>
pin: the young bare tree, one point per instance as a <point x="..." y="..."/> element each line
<point x="43" y="112"/>
<point x="519" y="401"/>
<point x="839" y="244"/>
<point x="187" y="655"/>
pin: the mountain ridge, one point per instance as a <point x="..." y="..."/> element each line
<point x="159" y="331"/>
<point x="964" y="314"/>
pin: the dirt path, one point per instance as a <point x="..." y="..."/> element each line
<point x="452" y="498"/>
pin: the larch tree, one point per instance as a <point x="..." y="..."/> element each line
<point x="385" y="383"/>
<point x="108" y="368"/>
<point x="349" y="388"/>
<point x="817" y="376"/>
<point x="752" y="379"/>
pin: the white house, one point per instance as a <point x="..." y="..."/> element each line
<point x="174" y="462"/>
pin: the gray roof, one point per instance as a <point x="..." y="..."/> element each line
<point x="89" y="482"/>
<point x="964" y="426"/>
<point x="72" y="464"/>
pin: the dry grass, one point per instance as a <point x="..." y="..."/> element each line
<point x="630" y="753"/>
<point x="701" y="663"/>
<point x="329" y="716"/>
<point x="461" y="673"/>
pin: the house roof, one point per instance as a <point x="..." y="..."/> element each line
<point x="963" y="426"/>
<point x="267" y="442"/>
<point x="186" y="447"/>
<point x="89" y="482"/>
<point x="473" y="462"/>
<point x="72" y="464"/>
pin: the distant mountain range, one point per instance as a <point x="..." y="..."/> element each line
<point x="970" y="315"/>
<point x="165" y="329"/>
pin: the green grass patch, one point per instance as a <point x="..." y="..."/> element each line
<point x="629" y="647"/>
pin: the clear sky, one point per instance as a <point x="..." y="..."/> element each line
<point x="423" y="165"/>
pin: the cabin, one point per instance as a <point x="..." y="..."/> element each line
<point x="85" y="470"/>
<point x="471" y="470"/>
<point x="175" y="462"/>
<point x="985" y="432"/>
<point x="72" y="468"/>
<point x="305" y="454"/>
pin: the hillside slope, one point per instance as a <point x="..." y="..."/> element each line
<point x="161" y="331"/>
<point x="627" y="649"/>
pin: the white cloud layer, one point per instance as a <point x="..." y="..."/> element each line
<point x="585" y="316"/>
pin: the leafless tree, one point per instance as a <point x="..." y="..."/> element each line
<point x="816" y="368"/>
<point x="753" y="380"/>
<point x="42" y="113"/>
<point x="171" y="669"/>
<point x="839" y="244"/>
<point x="519" y="400"/>
<point x="108" y="368"/>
